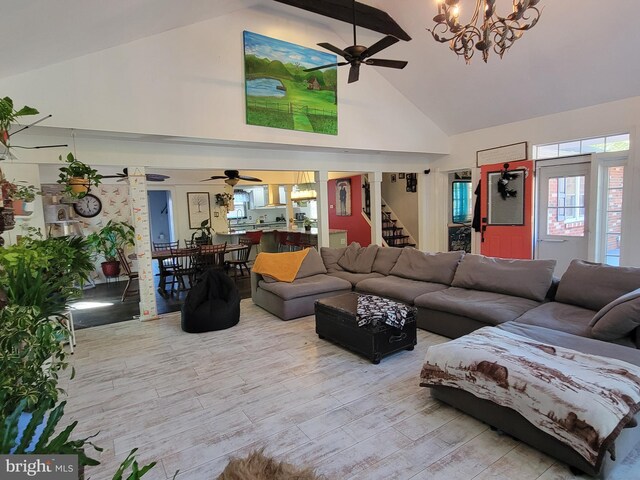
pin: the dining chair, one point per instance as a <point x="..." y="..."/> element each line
<point x="130" y="274"/>
<point x="293" y="240"/>
<point x="241" y="260"/>
<point x="166" y="267"/>
<point x="281" y="238"/>
<point x="255" y="237"/>
<point x="185" y="260"/>
<point x="211" y="256"/>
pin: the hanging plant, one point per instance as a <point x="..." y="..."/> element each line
<point x="9" y="115"/>
<point x="77" y="177"/>
<point x="223" y="199"/>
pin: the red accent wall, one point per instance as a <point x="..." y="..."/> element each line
<point x="358" y="230"/>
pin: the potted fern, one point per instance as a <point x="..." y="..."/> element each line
<point x="77" y="177"/>
<point x="108" y="240"/>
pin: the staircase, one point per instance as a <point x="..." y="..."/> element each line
<point x="393" y="232"/>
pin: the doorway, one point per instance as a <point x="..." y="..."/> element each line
<point x="563" y="215"/>
<point x="161" y="216"/>
<point x="506" y="193"/>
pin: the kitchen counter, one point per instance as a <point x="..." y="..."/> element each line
<point x="313" y="231"/>
<point x="268" y="241"/>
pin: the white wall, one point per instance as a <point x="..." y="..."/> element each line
<point x="188" y="82"/>
<point x="605" y="119"/>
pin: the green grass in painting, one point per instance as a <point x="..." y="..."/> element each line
<point x="323" y="123"/>
<point x="269" y="118"/>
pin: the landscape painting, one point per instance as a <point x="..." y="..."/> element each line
<point x="280" y="94"/>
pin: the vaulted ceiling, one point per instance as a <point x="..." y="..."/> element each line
<point x="581" y="53"/>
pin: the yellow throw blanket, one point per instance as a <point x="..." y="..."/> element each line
<point x="281" y="266"/>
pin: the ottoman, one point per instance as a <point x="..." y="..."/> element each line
<point x="336" y="321"/>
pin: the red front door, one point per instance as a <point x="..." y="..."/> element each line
<point x="506" y="196"/>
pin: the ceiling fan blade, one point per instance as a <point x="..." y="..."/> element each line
<point x="354" y="73"/>
<point x="212" y="178"/>
<point x="248" y="179"/>
<point x="333" y="49"/>
<point x="379" y="62"/>
<point x="117" y="175"/>
<point x="325" y="66"/>
<point x="39" y="147"/>
<point x="216" y="177"/>
<point x="379" y="46"/>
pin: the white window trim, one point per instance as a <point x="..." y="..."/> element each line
<point x="604" y="161"/>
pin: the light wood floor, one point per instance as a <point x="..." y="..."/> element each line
<point x="192" y="401"/>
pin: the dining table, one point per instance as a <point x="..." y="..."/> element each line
<point x="165" y="254"/>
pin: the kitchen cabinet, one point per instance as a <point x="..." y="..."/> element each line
<point x="259" y="197"/>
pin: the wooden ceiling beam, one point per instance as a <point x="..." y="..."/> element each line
<point x="366" y="16"/>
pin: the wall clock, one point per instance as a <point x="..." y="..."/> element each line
<point x="88" y="206"/>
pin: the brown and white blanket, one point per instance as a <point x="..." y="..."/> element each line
<point x="582" y="400"/>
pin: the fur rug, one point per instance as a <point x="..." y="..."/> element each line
<point x="258" y="467"/>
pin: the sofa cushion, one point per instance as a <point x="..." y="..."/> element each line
<point x="521" y="278"/>
<point x="397" y="288"/>
<point x="304" y="287"/>
<point x="385" y="260"/>
<point x="330" y="257"/>
<point x="560" y="316"/>
<point x="427" y="267"/>
<point x="594" y="285"/>
<point x="357" y="259"/>
<point x="489" y="307"/>
<point x="618" y="318"/>
<point x="354" y="278"/>
<point x="311" y="265"/>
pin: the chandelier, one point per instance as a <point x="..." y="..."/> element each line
<point x="495" y="32"/>
<point x="304" y="189"/>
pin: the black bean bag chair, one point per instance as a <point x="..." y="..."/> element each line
<point x="213" y="303"/>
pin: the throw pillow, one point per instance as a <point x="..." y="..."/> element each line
<point x="618" y="318"/>
<point x="520" y="278"/>
<point x="357" y="259"/>
<point x="311" y="265"/>
<point x="427" y="267"/>
<point x="594" y="285"/>
<point x="386" y="259"/>
<point x="330" y="257"/>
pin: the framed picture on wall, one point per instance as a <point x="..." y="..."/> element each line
<point x="343" y="197"/>
<point x="199" y="208"/>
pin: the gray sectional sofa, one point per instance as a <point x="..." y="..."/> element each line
<point x="593" y="309"/>
<point x="456" y="293"/>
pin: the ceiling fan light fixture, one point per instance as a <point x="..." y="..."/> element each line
<point x="486" y="30"/>
<point x="232" y="181"/>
